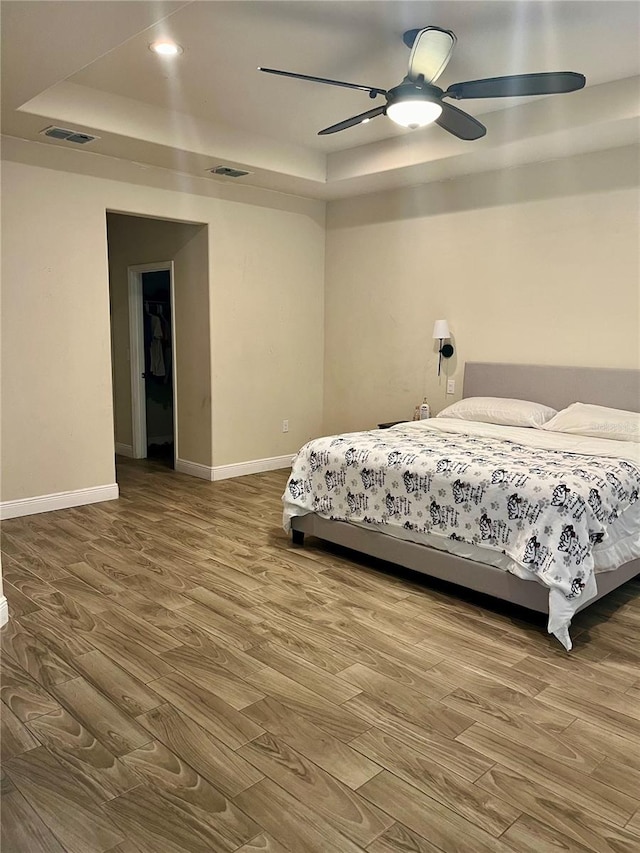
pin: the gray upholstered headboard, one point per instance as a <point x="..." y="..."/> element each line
<point x="554" y="386"/>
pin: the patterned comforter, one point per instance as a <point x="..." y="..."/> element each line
<point x="546" y="509"/>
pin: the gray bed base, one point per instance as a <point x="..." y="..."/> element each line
<point x="553" y="386"/>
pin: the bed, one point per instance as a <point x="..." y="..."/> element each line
<point x="492" y="566"/>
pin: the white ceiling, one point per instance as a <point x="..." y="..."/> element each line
<point x="86" y="65"/>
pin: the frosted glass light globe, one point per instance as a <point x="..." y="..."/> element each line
<point x="414" y="113"/>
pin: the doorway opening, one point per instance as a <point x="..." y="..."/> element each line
<point x="153" y="382"/>
<point x="160" y="342"/>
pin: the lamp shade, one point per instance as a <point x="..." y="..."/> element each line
<point x="413" y="112"/>
<point x="441" y="329"/>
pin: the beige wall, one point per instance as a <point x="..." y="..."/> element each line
<point x="538" y="264"/>
<point x="136" y="240"/>
<point x="267" y="292"/>
<point x="57" y="426"/>
<point x="266" y="273"/>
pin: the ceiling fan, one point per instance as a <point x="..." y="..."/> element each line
<point x="416" y="102"/>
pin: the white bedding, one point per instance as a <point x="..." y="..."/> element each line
<point x="623" y="535"/>
<point x="561" y="555"/>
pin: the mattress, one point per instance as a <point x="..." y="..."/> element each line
<point x="547" y="507"/>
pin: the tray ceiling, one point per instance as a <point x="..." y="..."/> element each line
<point x="86" y="65"/>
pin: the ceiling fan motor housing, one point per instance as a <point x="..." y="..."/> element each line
<point x="408" y="90"/>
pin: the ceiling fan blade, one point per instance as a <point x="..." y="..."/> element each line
<point x="459" y="123"/>
<point x="373" y="90"/>
<point x="350" y="122"/>
<point x="515" y="85"/>
<point x="430" y="54"/>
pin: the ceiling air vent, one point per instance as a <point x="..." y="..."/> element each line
<point x="229" y="172"/>
<point x="67" y="135"/>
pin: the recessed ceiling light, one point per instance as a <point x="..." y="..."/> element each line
<point x="164" y="47"/>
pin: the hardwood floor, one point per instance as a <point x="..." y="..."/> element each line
<point x="177" y="678"/>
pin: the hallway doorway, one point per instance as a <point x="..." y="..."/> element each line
<point x="160" y="340"/>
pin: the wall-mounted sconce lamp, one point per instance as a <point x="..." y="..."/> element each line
<point x="440" y="332"/>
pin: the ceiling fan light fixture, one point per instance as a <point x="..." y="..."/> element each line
<point x="417" y="102"/>
<point x="414" y="112"/>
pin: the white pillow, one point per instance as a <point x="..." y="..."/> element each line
<point x="499" y="410"/>
<point x="597" y="421"/>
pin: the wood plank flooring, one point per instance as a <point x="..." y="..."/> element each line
<point x="178" y="678"/>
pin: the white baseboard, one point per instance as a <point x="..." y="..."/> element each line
<point x="254" y="466"/>
<point x="194" y="469"/>
<point x="237" y="469"/>
<point x="124" y="450"/>
<point x="60" y="500"/>
<point x="4" y="611"/>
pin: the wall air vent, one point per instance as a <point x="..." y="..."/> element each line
<point x="229" y="172"/>
<point x="66" y="135"/>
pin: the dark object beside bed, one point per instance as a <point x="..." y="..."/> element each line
<point x="552" y="386"/>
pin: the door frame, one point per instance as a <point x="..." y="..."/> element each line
<point x="136" y="356"/>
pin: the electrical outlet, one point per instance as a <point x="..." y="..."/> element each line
<point x="285" y="426"/>
<point x="451" y="386"/>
